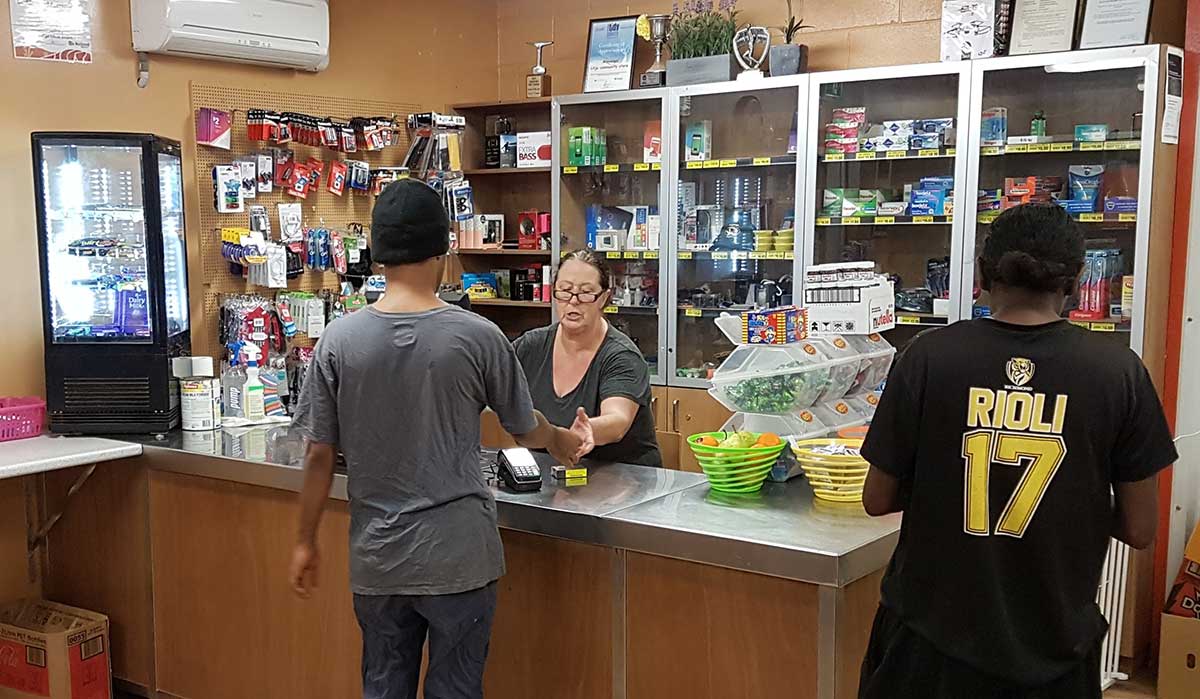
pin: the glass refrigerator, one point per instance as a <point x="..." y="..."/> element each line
<point x="113" y="258"/>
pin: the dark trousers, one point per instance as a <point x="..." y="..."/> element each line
<point x="394" y="630"/>
<point x="901" y="664"/>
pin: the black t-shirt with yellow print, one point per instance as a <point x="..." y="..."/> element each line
<point x="1007" y="440"/>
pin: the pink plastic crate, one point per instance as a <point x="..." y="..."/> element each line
<point x="21" y="418"/>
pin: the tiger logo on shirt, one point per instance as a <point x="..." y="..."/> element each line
<point x="1020" y="370"/>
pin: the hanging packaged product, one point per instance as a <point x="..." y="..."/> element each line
<point x="337" y="252"/>
<point x="300" y="182"/>
<point x="249" y="175"/>
<point x="360" y="176"/>
<point x="227" y="189"/>
<point x="284" y="162"/>
<point x="291" y="222"/>
<point x="265" y="172"/>
<point x="336" y="180"/>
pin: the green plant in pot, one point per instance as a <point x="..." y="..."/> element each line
<point x="790" y="58"/>
<point x="702" y="42"/>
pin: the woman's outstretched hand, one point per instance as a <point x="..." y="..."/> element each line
<point x="582" y="427"/>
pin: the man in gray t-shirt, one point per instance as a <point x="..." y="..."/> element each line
<point x="399" y="388"/>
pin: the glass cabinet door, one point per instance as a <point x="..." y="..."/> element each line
<point x="884" y="176"/>
<point x="1068" y="129"/>
<point x="95" y="238"/>
<point x="733" y="230"/>
<point x="170" y="191"/>
<point x="609" y="192"/>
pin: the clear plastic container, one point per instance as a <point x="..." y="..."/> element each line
<point x="839" y="414"/>
<point x="771" y="379"/>
<point x="865" y="403"/>
<point x="843" y="368"/>
<point x="877" y="355"/>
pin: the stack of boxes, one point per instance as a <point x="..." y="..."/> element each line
<point x="848" y="132"/>
<point x="931" y="196"/>
<point x="587" y="145"/>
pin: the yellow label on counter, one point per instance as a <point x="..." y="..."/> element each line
<point x="851" y="220"/>
<point x="650" y="255"/>
<point x="1017" y="148"/>
<point x="1040" y="148"/>
<point x="991" y="150"/>
<point x="929" y="153"/>
<point x="728" y="163"/>
<point x="720" y="255"/>
<point x="693" y="313"/>
<point x="611" y="309"/>
<point x="710" y="164"/>
<point x="612" y="167"/>
<point x="823" y="220"/>
<point x="694" y="165"/>
<point x="1091" y="218"/>
<point x="865" y="155"/>
<point x="762" y="161"/>
<point x="641" y="167"/>
<point x="1062" y="147"/>
<point x="1091" y="145"/>
<point x="655" y="166"/>
<point x="897" y="154"/>
<point x="614" y="254"/>
<point x="833" y="157"/>
<point x="777" y="255"/>
<point x="685" y="254"/>
<point x="908" y="320"/>
<point x="575" y="482"/>
<point x="885" y="220"/>
<point x="632" y="255"/>
<point x="570" y="170"/>
<point x="1127" y="218"/>
<point x="922" y="219"/>
<point x="1104" y="327"/>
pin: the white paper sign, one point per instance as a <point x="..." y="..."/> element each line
<point x="1173" y="99"/>
<point x="1042" y="26"/>
<point x="1114" y="23"/>
<point x="52" y="30"/>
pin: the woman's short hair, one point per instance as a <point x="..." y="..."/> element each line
<point x="591" y="258"/>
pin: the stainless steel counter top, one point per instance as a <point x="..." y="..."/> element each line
<point x="781" y="531"/>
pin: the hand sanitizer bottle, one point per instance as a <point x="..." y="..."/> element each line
<point x="253" y="401"/>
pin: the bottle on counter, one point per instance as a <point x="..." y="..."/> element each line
<point x="253" y="397"/>
<point x="1038" y="126"/>
<point x="199" y="393"/>
<point x="233" y="381"/>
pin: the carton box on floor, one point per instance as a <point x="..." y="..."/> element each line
<point x="1179" y="658"/>
<point x="52" y="650"/>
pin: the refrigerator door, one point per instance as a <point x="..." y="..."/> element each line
<point x="95" y="240"/>
<point x="170" y="192"/>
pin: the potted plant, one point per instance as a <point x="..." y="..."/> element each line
<point x="788" y="58"/>
<point x="702" y="42"/>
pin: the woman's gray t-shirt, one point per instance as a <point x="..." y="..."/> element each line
<point x="617" y="371"/>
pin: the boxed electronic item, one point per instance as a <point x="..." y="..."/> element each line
<point x="480" y="286"/>
<point x="850" y="308"/>
<point x="1091" y="132"/>
<point x="637" y="236"/>
<point x="586" y="146"/>
<point x="608" y="227"/>
<point x="918" y="141"/>
<point x="508" y="149"/>
<point x="503" y="282"/>
<point x="698" y="141"/>
<point x="50" y="650"/>
<point x="533" y="149"/>
<point x="994" y="129"/>
<point x="652" y="142"/>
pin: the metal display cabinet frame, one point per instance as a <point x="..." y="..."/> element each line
<point x="667" y="171"/>
<point x="671" y="173"/>
<point x="964" y="208"/>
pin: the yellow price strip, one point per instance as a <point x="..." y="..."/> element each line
<point x="650" y="255"/>
<point x="720" y="255"/>
<point x="1091" y="145"/>
<point x="991" y="150"/>
<point x="762" y="161"/>
<point x="865" y="155"/>
<point x="694" y="165"/>
<point x="1091" y="218"/>
<point x="1132" y="145"/>
<point x="1062" y="147"/>
<point x="951" y="151"/>
<point x="614" y="255"/>
<point x="1040" y="148"/>
<point x="1127" y="218"/>
<point x="885" y="220"/>
<point x="685" y="254"/>
<point x="851" y="220"/>
<point x="1081" y="324"/>
<point x="736" y="255"/>
<point x="632" y="255"/>
<point x="693" y="313"/>
<point x="789" y="255"/>
<point x="1114" y="145"/>
<point x="1104" y="327"/>
<point x="611" y="309"/>
<point x="834" y="157"/>
<point x="570" y="170"/>
<point x="908" y="320"/>
<point x="656" y="166"/>
<point x="929" y="153"/>
<point x="897" y="154"/>
<point x="776" y="255"/>
<point x="711" y="164"/>
<point x="728" y="163"/>
<point x="758" y="255"/>
<point x="612" y="167"/>
<point x="1017" y="148"/>
<point x="641" y="167"/>
<point x="824" y="220"/>
<point x="922" y="219"/>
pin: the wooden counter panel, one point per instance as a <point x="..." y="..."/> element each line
<point x="703" y="632"/>
<point x="553" y="630"/>
<point x="14" y="574"/>
<point x="99" y="557"/>
<point x="855" y="617"/>
<point x="227" y="623"/>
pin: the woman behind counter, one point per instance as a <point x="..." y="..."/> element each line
<point x="585" y="374"/>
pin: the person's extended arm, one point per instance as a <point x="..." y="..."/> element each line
<point x="609" y="427"/>
<point x="562" y="444"/>
<point x="319" y="460"/>
<point x="881" y="495"/>
<point x="1136" y="516"/>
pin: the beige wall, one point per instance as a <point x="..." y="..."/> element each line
<point x="847" y="34"/>
<point x="379" y="49"/>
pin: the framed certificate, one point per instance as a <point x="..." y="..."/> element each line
<point x="1114" y="23"/>
<point x="609" y="64"/>
<point x="1042" y="26"/>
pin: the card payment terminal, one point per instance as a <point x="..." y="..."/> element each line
<point x="518" y="470"/>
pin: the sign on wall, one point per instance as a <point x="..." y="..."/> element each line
<point x="52" y="30"/>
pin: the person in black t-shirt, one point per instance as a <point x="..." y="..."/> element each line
<point x="1016" y="446"/>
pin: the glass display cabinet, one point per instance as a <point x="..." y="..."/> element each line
<point x="885" y="169"/>
<point x="608" y="194"/>
<point x="1079" y="129"/>
<point x="732" y="228"/>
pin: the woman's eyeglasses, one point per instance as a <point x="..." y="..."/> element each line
<point x="585" y="297"/>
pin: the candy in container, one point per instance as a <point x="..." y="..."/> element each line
<point x="877" y="354"/>
<point x="844" y="362"/>
<point x="771" y="379"/>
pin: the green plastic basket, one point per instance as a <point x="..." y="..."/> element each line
<point x="732" y="470"/>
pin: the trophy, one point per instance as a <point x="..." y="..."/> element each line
<point x="750" y="46"/>
<point x="660" y="27"/>
<point x="537" y="83"/>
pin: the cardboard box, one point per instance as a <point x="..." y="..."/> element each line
<point x="52" y="650"/>
<point x="1179" y="658"/>
<point x="873" y="311"/>
<point x="697" y="141"/>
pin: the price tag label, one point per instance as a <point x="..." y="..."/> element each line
<point x="1091" y="145"/>
<point x="789" y="255"/>
<point x="951" y="152"/>
<point x="824" y="220"/>
<point x="650" y="255"/>
<point x="720" y="255"/>
<point x="632" y="255"/>
<point x="612" y="167"/>
<point x="1132" y="145"/>
<point x="641" y="167"/>
<point x="885" y="220"/>
<point x="1113" y="145"/>
<point x="922" y="219"/>
<point x="1062" y="147"/>
<point x="865" y="155"/>
<point x="570" y="170"/>
<point x="1091" y="218"/>
<point x="851" y="220"/>
<point x="613" y="255"/>
<point x="988" y="217"/>
<point x="991" y="150"/>
<point x="611" y="309"/>
<point x="693" y="313"/>
<point x="758" y="255"/>
<point x="897" y="154"/>
<point x="694" y="165"/>
<point x="762" y="161"/>
<point x="737" y="255"/>
<point x="655" y="166"/>
<point x="711" y="164"/>
<point x="685" y="254"/>
<point x="1104" y="327"/>
<point x="1017" y="148"/>
<point x="1081" y="324"/>
<point x="1127" y="218"/>
<point x="908" y="320"/>
<point x="776" y="255"/>
<point x="1040" y="148"/>
<point x="834" y="157"/>
<point x="728" y="163"/>
<point x="929" y="153"/>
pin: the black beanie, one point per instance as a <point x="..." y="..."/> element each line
<point x="409" y="224"/>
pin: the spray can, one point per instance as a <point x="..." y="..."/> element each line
<point x="199" y="393"/>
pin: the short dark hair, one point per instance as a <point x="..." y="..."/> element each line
<point x="591" y="258"/>
<point x="1037" y="247"/>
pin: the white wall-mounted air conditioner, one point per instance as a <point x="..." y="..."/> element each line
<point x="280" y="33"/>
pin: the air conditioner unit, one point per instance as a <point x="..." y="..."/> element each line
<point x="280" y="33"/>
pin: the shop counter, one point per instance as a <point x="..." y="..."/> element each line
<point x="640" y="582"/>
<point x="42" y="454"/>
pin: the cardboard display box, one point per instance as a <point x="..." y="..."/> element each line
<point x="52" y="650"/>
<point x="1179" y="658"/>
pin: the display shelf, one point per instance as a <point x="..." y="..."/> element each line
<point x="501" y="105"/>
<point x="728" y="163"/>
<point x="736" y="255"/>
<point x="506" y="252"/>
<point x="611" y="168"/>
<point x="927" y="319"/>
<point x="883" y="220"/>
<point x="697" y="312"/>
<point x="911" y="154"/>
<point x="490" y="171"/>
<point x="1060" y="147"/>
<point x="991" y="216"/>
<point x="632" y="310"/>
<point x="510" y="303"/>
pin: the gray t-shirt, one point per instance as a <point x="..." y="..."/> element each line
<point x="401" y="395"/>
<point x="617" y="371"/>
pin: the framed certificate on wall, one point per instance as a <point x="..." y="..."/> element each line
<point x="609" y="64"/>
<point x="1114" y="23"/>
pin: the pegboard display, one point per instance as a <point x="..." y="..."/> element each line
<point x="321" y="208"/>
